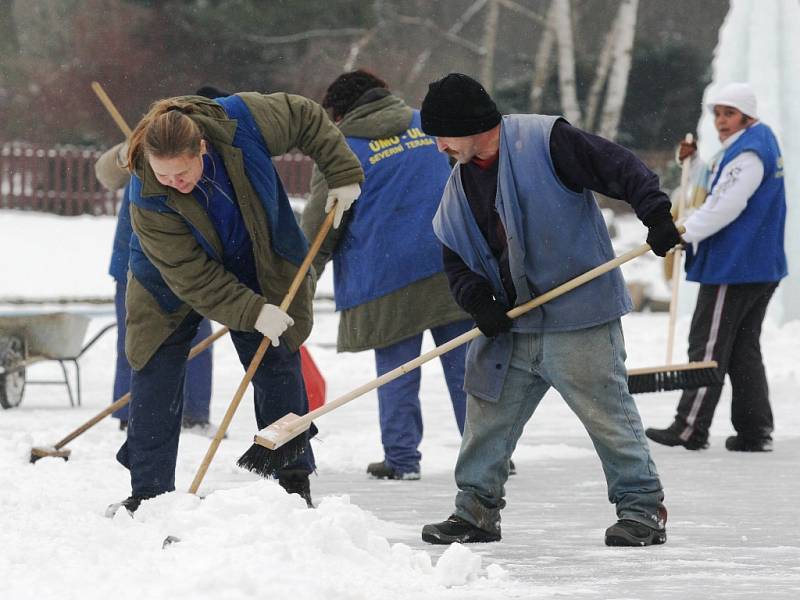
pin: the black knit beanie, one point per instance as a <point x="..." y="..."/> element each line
<point x="458" y="106"/>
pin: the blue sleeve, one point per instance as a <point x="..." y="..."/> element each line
<point x="121" y="250"/>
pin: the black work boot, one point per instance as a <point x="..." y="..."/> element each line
<point x="296" y="482"/>
<point x="632" y="533"/>
<point x="131" y="504"/>
<point x="737" y="443"/>
<point x="383" y="470"/>
<point x="671" y="437"/>
<point x="456" y="529"/>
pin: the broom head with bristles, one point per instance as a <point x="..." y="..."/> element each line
<point x="687" y="376"/>
<point x="277" y="446"/>
<point x="44" y="451"/>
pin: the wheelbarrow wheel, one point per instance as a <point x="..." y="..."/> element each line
<point x="12" y="385"/>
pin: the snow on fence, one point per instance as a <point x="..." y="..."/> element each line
<point x="60" y="179"/>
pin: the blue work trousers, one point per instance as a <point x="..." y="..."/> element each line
<point x="197" y="386"/>
<point x="587" y="367"/>
<point x="154" y="426"/>
<point x="398" y="400"/>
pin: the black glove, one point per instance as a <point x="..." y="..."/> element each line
<point x="491" y="318"/>
<point x="662" y="235"/>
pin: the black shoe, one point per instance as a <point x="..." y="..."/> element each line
<point x="296" y="482"/>
<point x="382" y="470"/>
<point x="632" y="533"/>
<point x="123" y="424"/>
<point x="670" y="437"/>
<point x="131" y="504"/>
<point x="737" y="443"/>
<point x="456" y="529"/>
<point x="512" y="468"/>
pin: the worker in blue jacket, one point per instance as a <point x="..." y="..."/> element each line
<point x="736" y="253"/>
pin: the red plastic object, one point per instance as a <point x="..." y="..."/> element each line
<point x="315" y="382"/>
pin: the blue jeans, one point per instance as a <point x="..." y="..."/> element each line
<point x="197" y="385"/>
<point x="587" y="367"/>
<point x="398" y="401"/>
<point x="151" y="449"/>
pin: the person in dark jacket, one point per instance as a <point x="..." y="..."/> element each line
<point x="215" y="237"/>
<point x="736" y="253"/>
<point x="389" y="279"/>
<point x="112" y="174"/>
<point x="518" y="218"/>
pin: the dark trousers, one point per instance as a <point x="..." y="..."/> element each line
<point x="726" y="327"/>
<point x="197" y="385"/>
<point x="154" y="426"/>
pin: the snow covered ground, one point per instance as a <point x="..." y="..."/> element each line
<point x="733" y="529"/>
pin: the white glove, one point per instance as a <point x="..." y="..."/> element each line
<point x="343" y="197"/>
<point x="272" y="322"/>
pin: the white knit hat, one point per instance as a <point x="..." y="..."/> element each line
<point x="738" y="95"/>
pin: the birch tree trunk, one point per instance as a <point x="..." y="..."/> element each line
<point x="489" y="43"/>
<point x="601" y="75"/>
<point x="618" y="80"/>
<point x="566" y="62"/>
<point x="541" y="68"/>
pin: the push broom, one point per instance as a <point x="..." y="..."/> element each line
<point x="280" y="439"/>
<point x="57" y="450"/>
<point x="672" y="376"/>
<point x="290" y="453"/>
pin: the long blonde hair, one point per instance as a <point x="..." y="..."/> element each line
<point x="165" y="131"/>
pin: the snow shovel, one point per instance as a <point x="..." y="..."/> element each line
<point x="262" y="457"/>
<point x="259" y="355"/>
<point x="675" y="376"/>
<point x="57" y="450"/>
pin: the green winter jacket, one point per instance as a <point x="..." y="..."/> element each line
<point x="285" y="121"/>
<point x="399" y="314"/>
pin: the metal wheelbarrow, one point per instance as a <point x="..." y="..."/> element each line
<point x="30" y="338"/>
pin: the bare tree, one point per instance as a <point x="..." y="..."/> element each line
<point x="566" y="61"/>
<point x="601" y="74"/>
<point x="618" y="79"/>
<point x="489" y="43"/>
<point x="423" y="57"/>
<point x="541" y="68"/>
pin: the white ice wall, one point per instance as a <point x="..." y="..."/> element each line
<point x="759" y="42"/>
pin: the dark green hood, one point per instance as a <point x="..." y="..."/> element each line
<point x="381" y="118"/>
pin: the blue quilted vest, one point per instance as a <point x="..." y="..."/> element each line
<point x="750" y="249"/>
<point x="389" y="242"/>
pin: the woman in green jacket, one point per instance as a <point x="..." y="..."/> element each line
<point x="215" y="237"/>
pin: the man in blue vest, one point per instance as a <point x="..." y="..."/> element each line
<point x="736" y="254"/>
<point x="518" y="218"/>
<point x="389" y="279"/>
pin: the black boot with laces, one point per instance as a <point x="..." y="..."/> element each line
<point x="456" y="529"/>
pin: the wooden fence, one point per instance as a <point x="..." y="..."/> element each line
<point x="61" y="179"/>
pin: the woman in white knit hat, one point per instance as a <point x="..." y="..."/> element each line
<point x="736" y="253"/>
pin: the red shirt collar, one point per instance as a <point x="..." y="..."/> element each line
<point x="485" y="163"/>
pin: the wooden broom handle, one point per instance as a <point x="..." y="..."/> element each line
<point x="677" y="256"/>
<point x="303" y="422"/>
<point x="123" y="400"/>
<point x="112" y="110"/>
<point x="262" y="349"/>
